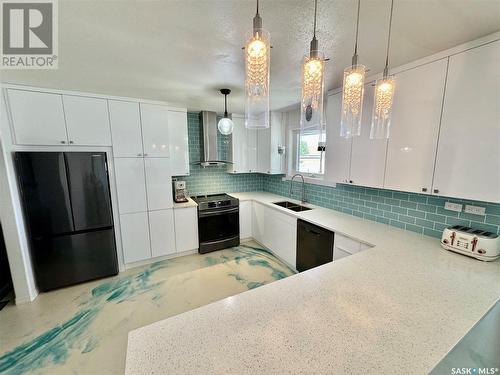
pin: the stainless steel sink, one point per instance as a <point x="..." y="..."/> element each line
<point x="292" y="206"/>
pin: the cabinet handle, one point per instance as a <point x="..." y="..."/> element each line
<point x="436" y="191"/>
<point x="139" y="154"/>
<point x="63" y="142"/>
<point x="71" y="142"/>
<point x="145" y="154"/>
<point x="424" y="189"/>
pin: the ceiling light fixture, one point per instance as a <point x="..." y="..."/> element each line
<point x="313" y="78"/>
<point x="352" y="93"/>
<point x="384" y="94"/>
<point x="257" y="68"/>
<point x="225" y="124"/>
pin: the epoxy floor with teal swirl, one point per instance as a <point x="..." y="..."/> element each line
<point x="83" y="329"/>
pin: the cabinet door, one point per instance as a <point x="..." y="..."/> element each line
<point x="239" y="147"/>
<point x="415" y="120"/>
<point x="155" y="137"/>
<point x="126" y="132"/>
<point x="179" y="150"/>
<point x="258" y="224"/>
<point x="245" y="219"/>
<point x="468" y="161"/>
<point x="252" y="150"/>
<point x="277" y="160"/>
<point x="87" y="120"/>
<point x="37" y="117"/>
<point x="264" y="150"/>
<point x="130" y="185"/>
<point x="368" y="155"/>
<point x="135" y="237"/>
<point x="162" y="232"/>
<point x="338" y="149"/>
<point x="158" y="183"/>
<point x="186" y="228"/>
<point x="281" y="235"/>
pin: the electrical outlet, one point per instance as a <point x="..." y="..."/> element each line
<point x="476" y="210"/>
<point x="453" y="207"/>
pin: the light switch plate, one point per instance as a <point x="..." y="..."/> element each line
<point x="453" y="207"/>
<point x="476" y="210"/>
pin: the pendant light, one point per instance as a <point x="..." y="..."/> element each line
<point x="384" y="94"/>
<point x="313" y="78"/>
<point x="352" y="93"/>
<point x="257" y="67"/>
<point x="225" y="124"/>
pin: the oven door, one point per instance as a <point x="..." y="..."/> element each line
<point x="218" y="229"/>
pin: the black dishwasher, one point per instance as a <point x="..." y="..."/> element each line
<point x="314" y="245"/>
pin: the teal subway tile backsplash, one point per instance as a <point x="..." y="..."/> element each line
<point x="212" y="180"/>
<point x="415" y="212"/>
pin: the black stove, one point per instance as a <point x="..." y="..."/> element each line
<point x="218" y="222"/>
<point x="215" y="201"/>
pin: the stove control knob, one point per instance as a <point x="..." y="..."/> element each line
<point x="481" y="251"/>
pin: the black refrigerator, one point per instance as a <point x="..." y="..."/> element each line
<point x="67" y="206"/>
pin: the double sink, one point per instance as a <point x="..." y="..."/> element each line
<point x="292" y="206"/>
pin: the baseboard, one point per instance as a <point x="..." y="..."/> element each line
<point x="140" y="263"/>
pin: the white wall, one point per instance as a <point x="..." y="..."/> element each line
<point x="11" y="218"/>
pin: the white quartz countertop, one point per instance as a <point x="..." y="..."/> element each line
<point x="398" y="307"/>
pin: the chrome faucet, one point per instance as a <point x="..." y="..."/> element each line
<point x="303" y="200"/>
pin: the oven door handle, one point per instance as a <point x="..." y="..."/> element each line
<point x="217" y="212"/>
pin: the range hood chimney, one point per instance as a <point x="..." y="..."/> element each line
<point x="208" y="137"/>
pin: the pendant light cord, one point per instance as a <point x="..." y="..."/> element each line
<point x="257" y="7"/>
<point x="315" y="9"/>
<point x="225" y="105"/>
<point x="388" y="40"/>
<point x="357" y="30"/>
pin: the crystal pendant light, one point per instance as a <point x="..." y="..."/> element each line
<point x="352" y="93"/>
<point x="225" y="124"/>
<point x="257" y="65"/>
<point x="313" y="78"/>
<point x="384" y="94"/>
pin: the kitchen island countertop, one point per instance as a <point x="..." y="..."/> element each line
<point x="398" y="307"/>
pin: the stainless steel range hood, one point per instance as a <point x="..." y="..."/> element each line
<point x="208" y="136"/>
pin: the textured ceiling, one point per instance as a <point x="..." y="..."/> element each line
<point x="184" y="51"/>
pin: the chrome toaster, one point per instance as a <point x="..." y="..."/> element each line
<point x="476" y="243"/>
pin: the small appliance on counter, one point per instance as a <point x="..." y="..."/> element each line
<point x="180" y="193"/>
<point x="476" y="243"/>
<point x="218" y="222"/>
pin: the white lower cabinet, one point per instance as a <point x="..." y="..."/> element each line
<point x="275" y="230"/>
<point x="345" y="246"/>
<point x="186" y="228"/>
<point x="245" y="219"/>
<point x="135" y="237"/>
<point x="162" y="232"/>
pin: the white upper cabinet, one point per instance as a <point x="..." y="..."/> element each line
<point x="338" y="149"/>
<point x="87" y="120"/>
<point x="179" y="151"/>
<point x="252" y="162"/>
<point x="368" y="155"/>
<point x="239" y="151"/>
<point x="414" y="128"/>
<point x="158" y="183"/>
<point x="37" y="118"/>
<point x="264" y="150"/>
<point x="155" y="137"/>
<point x="126" y="132"/>
<point x="468" y="158"/>
<point x="269" y="141"/>
<point x="130" y="185"/>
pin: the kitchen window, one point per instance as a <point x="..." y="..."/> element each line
<point x="309" y="153"/>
